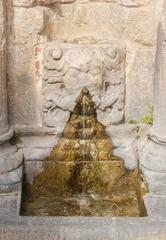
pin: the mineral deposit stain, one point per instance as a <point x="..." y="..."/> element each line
<point x="82" y="177"/>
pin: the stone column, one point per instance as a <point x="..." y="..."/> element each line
<point x="153" y="155"/>
<point x="10" y="157"/>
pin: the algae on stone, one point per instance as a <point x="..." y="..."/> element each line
<point x="82" y="176"/>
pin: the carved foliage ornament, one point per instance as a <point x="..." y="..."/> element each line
<point x="69" y="67"/>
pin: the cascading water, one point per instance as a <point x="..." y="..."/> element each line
<point x="82" y="177"/>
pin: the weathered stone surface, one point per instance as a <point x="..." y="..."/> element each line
<point x="134" y="3"/>
<point x="139" y="79"/>
<point x="24" y="67"/>
<point x="32" y="169"/>
<point x="155" y="205"/>
<point x="127" y="149"/>
<point x="36" y="153"/>
<point x="12" y="177"/>
<point x="159" y="81"/>
<point x="10" y="158"/>
<point x="68" y="68"/>
<point x="32" y="3"/>
<point x="155" y="180"/>
<point x="38" y="141"/>
<point x="85" y="23"/>
<point x="23" y="3"/>
<point x="3" y="92"/>
<point x="36" y="148"/>
<point x="141" y="31"/>
<point x="153" y="153"/>
<point x="136" y="27"/>
<point x="152" y="156"/>
<point x="9" y="204"/>
<point x="125" y="144"/>
<point x="82" y="228"/>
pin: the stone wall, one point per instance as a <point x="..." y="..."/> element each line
<point x="54" y="48"/>
<point x="131" y="24"/>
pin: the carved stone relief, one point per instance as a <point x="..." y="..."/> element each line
<point x="69" y="67"/>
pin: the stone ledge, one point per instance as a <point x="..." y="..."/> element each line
<point x="60" y="228"/>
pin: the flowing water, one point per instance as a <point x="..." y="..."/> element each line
<point x="82" y="177"/>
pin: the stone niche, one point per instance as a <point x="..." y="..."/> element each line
<point x="69" y="67"/>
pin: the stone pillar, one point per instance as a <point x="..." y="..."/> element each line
<point x="153" y="156"/>
<point x="10" y="157"/>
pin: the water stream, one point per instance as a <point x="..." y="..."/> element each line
<point x="82" y="177"/>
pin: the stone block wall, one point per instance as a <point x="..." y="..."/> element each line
<point x="131" y="24"/>
<point x="53" y="48"/>
<point x="56" y="47"/>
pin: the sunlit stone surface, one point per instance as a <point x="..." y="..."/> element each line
<point x="37" y="98"/>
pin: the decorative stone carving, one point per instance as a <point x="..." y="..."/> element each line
<point x="69" y="67"/>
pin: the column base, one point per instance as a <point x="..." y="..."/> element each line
<point x="6" y="136"/>
<point x="153" y="164"/>
<point x="11" y="160"/>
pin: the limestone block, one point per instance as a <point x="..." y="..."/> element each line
<point x="156" y="181"/>
<point x="32" y="3"/>
<point x="69" y="67"/>
<point x="159" y="81"/>
<point x="36" y="148"/>
<point x="134" y="3"/>
<point x="10" y="158"/>
<point x="24" y="66"/>
<point x="23" y="3"/>
<point x="36" y="153"/>
<point x="38" y="141"/>
<point x="124" y="141"/>
<point x="139" y="79"/>
<point x="85" y="22"/>
<point x="6" y="136"/>
<point x="94" y="233"/>
<point x="3" y="94"/>
<point x="23" y="34"/>
<point x="126" y="148"/>
<point x="9" y="204"/>
<point x="155" y="205"/>
<point x="52" y="2"/>
<point x="12" y="177"/>
<point x="152" y="156"/>
<point x="126" y="21"/>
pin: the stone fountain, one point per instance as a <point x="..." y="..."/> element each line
<point x="81" y="176"/>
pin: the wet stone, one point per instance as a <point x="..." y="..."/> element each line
<point x="82" y="177"/>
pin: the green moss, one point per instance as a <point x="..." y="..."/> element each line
<point x="82" y="176"/>
<point x="148" y="119"/>
<point x="15" y="139"/>
<point x="132" y="121"/>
